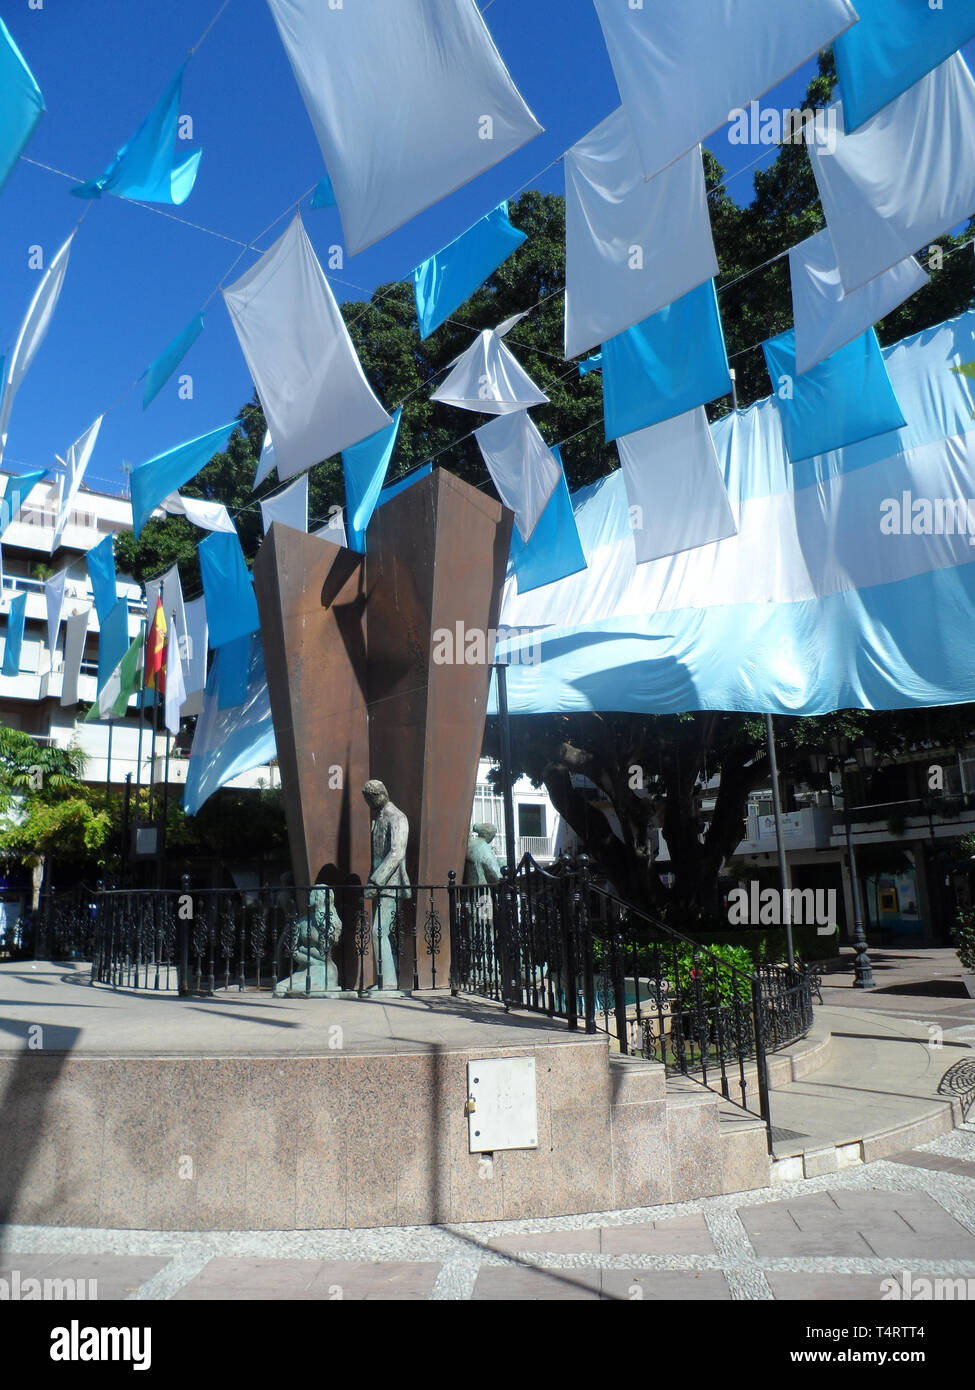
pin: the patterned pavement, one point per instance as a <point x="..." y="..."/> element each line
<point x="835" y="1237"/>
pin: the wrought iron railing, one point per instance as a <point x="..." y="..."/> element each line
<point x="289" y="940"/>
<point x="554" y="943"/>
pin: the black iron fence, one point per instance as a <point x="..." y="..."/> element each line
<point x="553" y="942"/>
<point x="548" y="940"/>
<point x="309" y="941"/>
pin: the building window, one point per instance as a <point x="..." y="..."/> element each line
<point x="531" y="822"/>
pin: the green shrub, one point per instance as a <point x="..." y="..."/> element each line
<point x="964" y="937"/>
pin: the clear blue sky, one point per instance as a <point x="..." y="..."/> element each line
<point x="136" y="277"/>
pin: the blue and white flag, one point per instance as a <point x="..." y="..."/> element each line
<point x="230" y="741"/>
<point x="850" y="583"/>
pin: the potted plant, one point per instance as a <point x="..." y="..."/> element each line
<point x="964" y="937"/>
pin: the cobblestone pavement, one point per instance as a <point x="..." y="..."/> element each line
<point x="835" y="1237"/>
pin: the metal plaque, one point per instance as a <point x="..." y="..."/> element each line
<point x="502" y="1108"/>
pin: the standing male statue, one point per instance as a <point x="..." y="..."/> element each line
<point x="482" y="869"/>
<point x="390" y="835"/>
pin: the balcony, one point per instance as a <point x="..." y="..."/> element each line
<point x="810" y="828"/>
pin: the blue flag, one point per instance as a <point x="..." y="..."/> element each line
<point x="228" y="588"/>
<point x="169" y="359"/>
<point x="447" y="280"/>
<point x="671" y="363"/>
<point x="101" y="576"/>
<point x="144" y="169"/>
<point x="229" y="742"/>
<point x="894" y="45"/>
<point x="166" y="473"/>
<point x="113" y="641"/>
<point x="365" y="466"/>
<point x="846" y="399"/>
<point x="18" y="489"/>
<point x="15" y="635"/>
<point x="21" y="103"/>
<point x="554" y="550"/>
<point x="324" y="194"/>
<point x="235" y="659"/>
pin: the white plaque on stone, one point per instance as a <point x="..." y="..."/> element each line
<point x="502" y="1109"/>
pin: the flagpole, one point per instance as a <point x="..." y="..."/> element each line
<point x="165" y="812"/>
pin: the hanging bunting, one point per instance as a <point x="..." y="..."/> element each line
<point x="334" y="530"/>
<point x="447" y="280"/>
<point x="632" y="245"/>
<point x="289" y="507"/>
<point x="324" y="194"/>
<point x="54" y="603"/>
<point x="666" y="366"/>
<point x="14" y="638"/>
<point x="209" y="516"/>
<point x="555" y="550"/>
<point x="684" y="69"/>
<point x="161" y="370"/>
<point x="266" y="463"/>
<point x="101" y="576"/>
<point x="894" y="45"/>
<point x="903" y="178"/>
<point x="75" y="636"/>
<point x="827" y="318"/>
<point x="845" y="399"/>
<point x="75" y="463"/>
<point x="113" y="642"/>
<point x="677" y="496"/>
<point x="521" y="466"/>
<point x="229" y="742"/>
<point x="409" y="103"/>
<point x="235" y="660"/>
<point x="592" y="364"/>
<point x="155" y="480"/>
<point x="19" y="488"/>
<point x="311" y="385"/>
<point x="169" y="588"/>
<point x="489" y="380"/>
<point x="144" y="169"/>
<point x="196" y="647"/>
<point x="228" y="589"/>
<point x="32" y="333"/>
<point x="121" y="683"/>
<point x="175" y="685"/>
<point x="21" y="103"/>
<point x="365" y="467"/>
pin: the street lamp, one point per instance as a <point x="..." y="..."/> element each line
<point x="865" y="753"/>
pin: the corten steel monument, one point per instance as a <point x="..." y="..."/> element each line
<point x="356" y="694"/>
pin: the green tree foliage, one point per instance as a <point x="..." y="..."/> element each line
<point x="44" y="806"/>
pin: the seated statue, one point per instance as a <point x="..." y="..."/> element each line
<point x="315" y="935"/>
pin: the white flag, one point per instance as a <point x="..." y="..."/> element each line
<point x="290" y="507"/>
<point x="314" y="393"/>
<point x="632" y="245"/>
<point x="523" y="467"/>
<point x="209" y="516"/>
<point x="678" y="499"/>
<point x="266" y="463"/>
<point x="489" y="379"/>
<point x="409" y="99"/>
<point x="75" y="464"/>
<point x="76" y="631"/>
<point x="54" y="598"/>
<point x="32" y="333"/>
<point x="175" y="685"/>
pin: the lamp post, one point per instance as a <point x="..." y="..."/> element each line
<point x="864" y="752"/>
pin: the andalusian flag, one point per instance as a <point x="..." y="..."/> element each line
<point x="155" y="677"/>
<point x="124" y="682"/>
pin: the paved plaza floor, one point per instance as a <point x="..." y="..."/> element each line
<point x="907" y="1216"/>
<point x="836" y="1237"/>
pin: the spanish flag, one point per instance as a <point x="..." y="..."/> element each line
<point x="155" y="677"/>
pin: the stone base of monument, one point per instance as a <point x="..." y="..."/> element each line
<point x="255" y="1113"/>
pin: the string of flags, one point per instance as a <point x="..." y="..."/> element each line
<point x="641" y="287"/>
